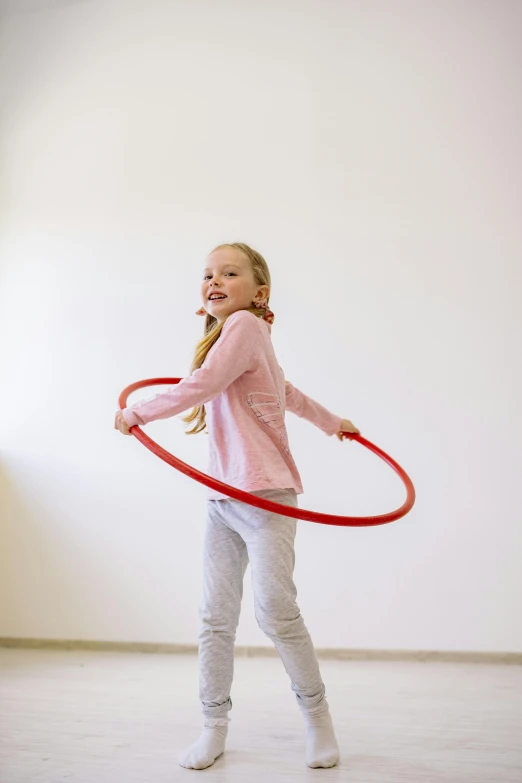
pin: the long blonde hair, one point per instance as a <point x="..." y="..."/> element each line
<point x="213" y="328"/>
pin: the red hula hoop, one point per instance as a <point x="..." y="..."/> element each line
<point x="254" y="500"/>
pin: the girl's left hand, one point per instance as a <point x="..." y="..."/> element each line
<point x="120" y="424"/>
<point x="347" y="426"/>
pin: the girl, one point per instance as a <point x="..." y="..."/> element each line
<point x="237" y="389"/>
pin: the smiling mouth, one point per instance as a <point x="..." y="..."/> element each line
<point x="217" y="298"/>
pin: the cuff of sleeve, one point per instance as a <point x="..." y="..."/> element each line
<point x="131" y="417"/>
<point x="337" y="423"/>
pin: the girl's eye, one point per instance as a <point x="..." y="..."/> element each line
<point x="207" y="277"/>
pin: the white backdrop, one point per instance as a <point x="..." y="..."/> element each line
<point x="371" y="152"/>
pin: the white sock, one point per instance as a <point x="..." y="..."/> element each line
<point x="208" y="747"/>
<point x="322" y="749"/>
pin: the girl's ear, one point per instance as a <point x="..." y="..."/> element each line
<point x="262" y="293"/>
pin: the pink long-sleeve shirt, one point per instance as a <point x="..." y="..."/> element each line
<point x="245" y="396"/>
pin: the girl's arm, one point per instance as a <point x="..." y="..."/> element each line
<point x="309" y="409"/>
<point x="233" y="354"/>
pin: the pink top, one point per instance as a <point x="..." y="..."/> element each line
<point x="245" y="395"/>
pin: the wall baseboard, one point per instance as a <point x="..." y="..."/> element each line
<point x="325" y="653"/>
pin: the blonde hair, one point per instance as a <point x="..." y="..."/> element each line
<point x="213" y="328"/>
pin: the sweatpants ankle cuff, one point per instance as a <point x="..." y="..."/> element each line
<point x="209" y="723"/>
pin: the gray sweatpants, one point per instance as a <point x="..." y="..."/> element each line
<point x="236" y="533"/>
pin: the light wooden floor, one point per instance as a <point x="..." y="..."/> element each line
<point x="95" y="717"/>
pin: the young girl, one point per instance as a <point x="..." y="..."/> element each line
<point x="237" y="389"/>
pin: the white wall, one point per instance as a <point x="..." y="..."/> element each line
<point x="371" y="152"/>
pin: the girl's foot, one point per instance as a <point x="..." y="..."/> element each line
<point x="322" y="749"/>
<point x="208" y="747"/>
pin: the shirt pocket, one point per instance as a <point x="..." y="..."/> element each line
<point x="269" y="411"/>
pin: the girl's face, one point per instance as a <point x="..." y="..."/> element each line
<point x="229" y="284"/>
